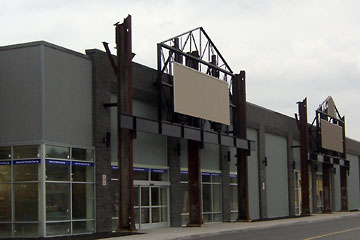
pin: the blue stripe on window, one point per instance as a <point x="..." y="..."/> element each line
<point x="5" y="162"/>
<point x="83" y="164"/>
<point x="30" y="161"/>
<point x="154" y="170"/>
<point x="137" y="169"/>
<point x="58" y="162"/>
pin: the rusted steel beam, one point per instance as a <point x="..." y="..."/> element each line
<point x="240" y="131"/>
<point x="304" y="138"/>
<point x="326" y="187"/>
<point x="194" y="185"/>
<point x="124" y="106"/>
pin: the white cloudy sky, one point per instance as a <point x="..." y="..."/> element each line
<point x="289" y="49"/>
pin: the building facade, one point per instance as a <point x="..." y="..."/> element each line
<point x="58" y="153"/>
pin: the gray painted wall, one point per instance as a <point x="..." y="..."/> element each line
<point x="353" y="182"/>
<point x="209" y="157"/>
<point x="148" y="149"/>
<point x="276" y="176"/>
<point x="20" y="95"/>
<point x="68" y="97"/>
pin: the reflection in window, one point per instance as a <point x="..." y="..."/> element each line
<point x="57" y="152"/>
<point x="26" y="202"/>
<point x="57" y="201"/>
<point x="82" y="154"/>
<point x="83" y="227"/>
<point x="29" y="152"/>
<point x="5" y="171"/>
<point x="26" y="229"/>
<point x="5" y="202"/>
<point x="55" y="229"/>
<point x="82" y="201"/>
<point x="82" y="172"/>
<point x="5" y="230"/>
<point x="26" y="170"/>
<point x="5" y="153"/>
<point x="57" y="170"/>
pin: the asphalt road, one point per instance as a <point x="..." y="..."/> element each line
<point x="344" y="228"/>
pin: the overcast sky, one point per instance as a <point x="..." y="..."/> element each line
<point x="289" y="49"/>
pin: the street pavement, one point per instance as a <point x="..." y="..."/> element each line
<point x="221" y="230"/>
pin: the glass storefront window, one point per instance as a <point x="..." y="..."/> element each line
<point x="26" y="229"/>
<point x="5" y="202"/>
<point x="5" y="230"/>
<point x="145" y="196"/>
<point x="82" y="201"/>
<point x="26" y="202"/>
<point x="57" y="201"/>
<point x="56" y="229"/>
<point x="82" y="172"/>
<point x="83" y="227"/>
<point x="216" y="198"/>
<point x="29" y="152"/>
<point x="57" y="170"/>
<point x="234" y="198"/>
<point x="159" y="175"/>
<point x="155" y="201"/>
<point x="26" y="170"/>
<point x="141" y="174"/>
<point x="82" y="154"/>
<point x="114" y="185"/>
<point x="206" y="193"/>
<point x="5" y="153"/>
<point x="5" y="171"/>
<point x="57" y="152"/>
<point x="145" y="216"/>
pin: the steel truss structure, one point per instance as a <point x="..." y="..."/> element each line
<point x="196" y="47"/>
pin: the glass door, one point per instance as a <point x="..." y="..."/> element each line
<point x="151" y="206"/>
<point x="297" y="191"/>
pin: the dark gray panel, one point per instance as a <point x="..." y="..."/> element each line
<point x="68" y="98"/>
<point x="20" y="94"/>
<point x="353" y="182"/>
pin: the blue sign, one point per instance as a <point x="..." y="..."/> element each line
<point x="206" y="174"/>
<point x="233" y="175"/>
<point x="82" y="164"/>
<point x="32" y="161"/>
<point x="58" y="162"/>
<point x="159" y="170"/>
<point x="216" y="174"/>
<point x="5" y="162"/>
<point x="184" y="172"/>
<point x="114" y="167"/>
<point x="136" y="169"/>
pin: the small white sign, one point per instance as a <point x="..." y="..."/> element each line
<point x="104" y="180"/>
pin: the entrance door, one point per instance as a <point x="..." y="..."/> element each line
<point x="151" y="206"/>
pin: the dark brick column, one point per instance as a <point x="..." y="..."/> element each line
<point x="101" y="80"/>
<point x="176" y="197"/>
<point x="226" y="194"/>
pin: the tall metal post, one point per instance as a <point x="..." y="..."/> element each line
<point x="240" y="131"/>
<point x="304" y="138"/>
<point x="194" y="185"/>
<point x="125" y="141"/>
<point x="343" y="175"/>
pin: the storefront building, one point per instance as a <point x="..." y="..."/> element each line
<point x="58" y="154"/>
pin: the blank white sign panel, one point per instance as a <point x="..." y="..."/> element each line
<point x="200" y="95"/>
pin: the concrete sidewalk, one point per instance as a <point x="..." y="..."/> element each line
<point x="214" y="228"/>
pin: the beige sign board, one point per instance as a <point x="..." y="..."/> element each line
<point x="200" y="95"/>
<point x="331" y="136"/>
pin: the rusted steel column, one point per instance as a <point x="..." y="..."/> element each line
<point x="194" y="168"/>
<point x="326" y="187"/>
<point x="304" y="138"/>
<point x="240" y="131"/>
<point x="195" y="209"/>
<point x="343" y="187"/>
<point x="125" y="141"/>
